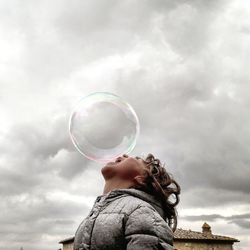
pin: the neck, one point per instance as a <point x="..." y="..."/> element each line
<point x="113" y="184"/>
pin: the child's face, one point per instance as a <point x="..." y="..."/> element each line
<point x="124" y="167"/>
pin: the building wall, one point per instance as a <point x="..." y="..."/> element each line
<point x="68" y="246"/>
<point x="201" y="246"/>
<point x="182" y="246"/>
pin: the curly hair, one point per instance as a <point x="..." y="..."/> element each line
<point x="160" y="184"/>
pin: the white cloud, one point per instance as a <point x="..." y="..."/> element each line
<point x="183" y="66"/>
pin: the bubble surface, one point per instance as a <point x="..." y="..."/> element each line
<point x="103" y="126"/>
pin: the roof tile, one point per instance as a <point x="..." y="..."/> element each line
<point x="181" y="234"/>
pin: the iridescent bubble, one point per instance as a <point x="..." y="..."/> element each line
<point x="103" y="126"/>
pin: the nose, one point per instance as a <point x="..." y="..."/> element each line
<point x="118" y="159"/>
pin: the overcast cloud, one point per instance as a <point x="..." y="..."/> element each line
<point x="183" y="66"/>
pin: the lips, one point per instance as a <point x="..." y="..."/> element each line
<point x="111" y="163"/>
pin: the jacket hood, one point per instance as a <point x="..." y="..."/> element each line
<point x="139" y="194"/>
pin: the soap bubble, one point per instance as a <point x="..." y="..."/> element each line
<point x="103" y="127"/>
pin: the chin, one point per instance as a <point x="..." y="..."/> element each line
<point x="106" y="168"/>
<point x="108" y="171"/>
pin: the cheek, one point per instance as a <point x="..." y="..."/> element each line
<point x="128" y="171"/>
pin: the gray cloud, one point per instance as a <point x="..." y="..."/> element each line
<point x="27" y="222"/>
<point x="241" y="220"/>
<point x="182" y="65"/>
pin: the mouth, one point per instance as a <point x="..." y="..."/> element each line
<point x="111" y="163"/>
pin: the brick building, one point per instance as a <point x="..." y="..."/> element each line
<point x="205" y="240"/>
<point x="187" y="240"/>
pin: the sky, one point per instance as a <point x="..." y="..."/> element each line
<point x="184" y="68"/>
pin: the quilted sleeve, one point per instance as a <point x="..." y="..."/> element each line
<point x="145" y="229"/>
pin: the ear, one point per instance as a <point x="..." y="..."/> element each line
<point x="139" y="179"/>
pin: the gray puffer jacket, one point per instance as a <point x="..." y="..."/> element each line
<point x="124" y="219"/>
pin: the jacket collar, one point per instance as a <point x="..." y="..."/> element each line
<point x="139" y="194"/>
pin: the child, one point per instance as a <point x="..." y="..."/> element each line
<point x="135" y="211"/>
